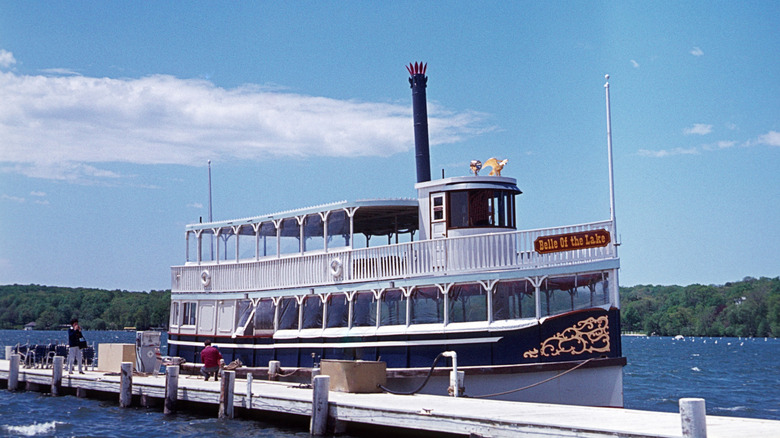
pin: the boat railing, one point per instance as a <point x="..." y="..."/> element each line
<point x="454" y="255"/>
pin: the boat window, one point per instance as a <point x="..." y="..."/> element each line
<point x="313" y="232"/>
<point x="513" y="300"/>
<point x="338" y="311"/>
<point x="264" y="315"/>
<point x="364" y="309"/>
<point x="338" y="229"/>
<point x="564" y="294"/>
<point x="437" y="207"/>
<point x="592" y="290"/>
<point x="288" y="313"/>
<point x="174" y="314"/>
<point x="427" y="305"/>
<point x="312" y="312"/>
<point x="244" y="323"/>
<point x="467" y="302"/>
<point x="393" y="310"/>
<point x="267" y="239"/>
<point x="481" y="208"/>
<point x="290" y="242"/>
<point x="189" y="312"/>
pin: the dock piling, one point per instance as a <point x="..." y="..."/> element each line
<point x="9" y="350"/>
<point x="226" y="392"/>
<point x="319" y="407"/>
<point x="13" y="373"/>
<point x="694" y="418"/>
<point x="273" y="370"/>
<point x="126" y="390"/>
<point x="248" y="399"/>
<point x="171" y="388"/>
<point x="56" y="375"/>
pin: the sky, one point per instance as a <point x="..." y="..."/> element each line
<point x="110" y="112"/>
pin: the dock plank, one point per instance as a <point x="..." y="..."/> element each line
<point x="422" y="412"/>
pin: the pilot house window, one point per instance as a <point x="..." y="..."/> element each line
<point x="481" y="209"/>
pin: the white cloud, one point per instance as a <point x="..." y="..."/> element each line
<point x="697" y="51"/>
<point x="196" y="205"/>
<point x="60" y="71"/>
<point x="668" y="152"/>
<point x="38" y="194"/>
<point x="723" y="144"/>
<point x="699" y="129"/>
<point x="635" y="64"/>
<point x="6" y="59"/>
<point x="61" y="127"/>
<point x="12" y="198"/>
<point x="771" y="138"/>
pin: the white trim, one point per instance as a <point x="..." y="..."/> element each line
<point x="378" y="344"/>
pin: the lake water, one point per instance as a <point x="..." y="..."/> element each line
<point x="737" y="377"/>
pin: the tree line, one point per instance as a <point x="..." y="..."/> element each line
<point x="750" y="307"/>
<point x="52" y="308"/>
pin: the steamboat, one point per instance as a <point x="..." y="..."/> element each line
<point x="529" y="315"/>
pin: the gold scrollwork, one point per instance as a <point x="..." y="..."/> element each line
<point x="587" y="336"/>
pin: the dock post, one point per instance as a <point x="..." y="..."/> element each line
<point x="9" y="350"/>
<point x="248" y="399"/>
<point x="13" y="373"/>
<point x="694" y="418"/>
<point x="319" y="405"/>
<point x="171" y="388"/>
<point x="273" y="370"/>
<point x="226" y="392"/>
<point x="126" y="387"/>
<point x="56" y="375"/>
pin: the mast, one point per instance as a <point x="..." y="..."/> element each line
<point x="611" y="172"/>
<point x="211" y="219"/>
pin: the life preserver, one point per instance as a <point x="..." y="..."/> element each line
<point x="205" y="278"/>
<point x="336" y="268"/>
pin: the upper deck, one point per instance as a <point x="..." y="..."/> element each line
<point x="341" y="265"/>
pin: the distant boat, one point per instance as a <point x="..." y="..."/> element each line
<point x="679" y="338"/>
<point x="129" y="329"/>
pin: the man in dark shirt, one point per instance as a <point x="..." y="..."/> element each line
<point x="212" y="359"/>
<point x="75" y="339"/>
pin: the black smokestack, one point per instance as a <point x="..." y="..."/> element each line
<point x="418" y="81"/>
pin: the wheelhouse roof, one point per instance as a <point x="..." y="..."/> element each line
<point x="375" y="217"/>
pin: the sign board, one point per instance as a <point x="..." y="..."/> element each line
<point x="571" y="241"/>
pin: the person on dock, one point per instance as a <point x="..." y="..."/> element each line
<point x="75" y="342"/>
<point x="212" y="360"/>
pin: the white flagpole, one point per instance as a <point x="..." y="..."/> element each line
<point x="211" y="219"/>
<point x="611" y="172"/>
<point x="613" y="282"/>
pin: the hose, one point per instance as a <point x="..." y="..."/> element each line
<point x="422" y="385"/>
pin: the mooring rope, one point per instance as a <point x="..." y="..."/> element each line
<point x="288" y="374"/>
<point x="422" y="385"/>
<point x="533" y="384"/>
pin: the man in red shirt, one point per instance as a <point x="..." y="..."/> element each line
<point x="212" y="359"/>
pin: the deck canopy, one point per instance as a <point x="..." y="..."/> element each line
<point x="340" y="224"/>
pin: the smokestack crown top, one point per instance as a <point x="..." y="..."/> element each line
<point x="418" y="68"/>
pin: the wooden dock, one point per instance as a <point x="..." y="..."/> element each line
<point x="422" y="413"/>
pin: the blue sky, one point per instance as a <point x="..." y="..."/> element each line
<point x="111" y="110"/>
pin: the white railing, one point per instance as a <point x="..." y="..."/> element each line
<point x="457" y="255"/>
